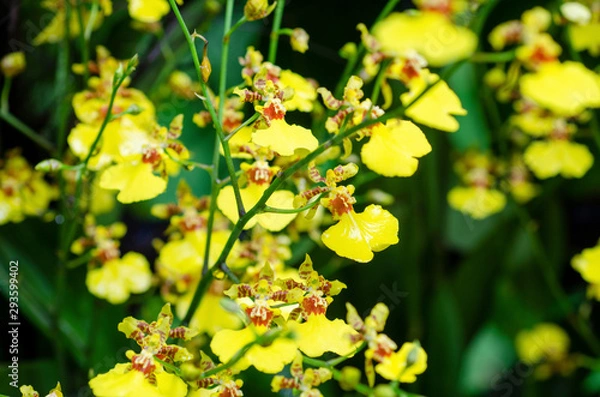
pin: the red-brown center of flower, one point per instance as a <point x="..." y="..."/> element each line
<point x="260" y="315"/>
<point x="143" y="364"/>
<point x="274" y="111"/>
<point x="314" y="304"/>
<point x="150" y="156"/>
<point x="340" y="204"/>
<point x="259" y="174"/>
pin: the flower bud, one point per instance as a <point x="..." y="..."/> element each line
<point x="258" y="9"/>
<point x="384" y="391"/>
<point x="13" y="64"/>
<point x="350" y="378"/>
<point x="50" y="165"/>
<point x="299" y="40"/>
<point x="380" y="197"/>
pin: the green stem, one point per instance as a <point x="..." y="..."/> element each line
<point x="62" y="90"/>
<point x="239" y="23"/>
<point x="351" y="65"/>
<point x="28" y="132"/>
<point x="493" y="57"/>
<point x="379" y="82"/>
<point x="264" y="339"/>
<point x="208" y="103"/>
<point x="5" y="94"/>
<point x="315" y="201"/>
<point x="275" y="30"/>
<point x="337" y="375"/>
<point x="244" y="124"/>
<point x="85" y="57"/>
<point x="189" y="164"/>
<point x="91" y="21"/>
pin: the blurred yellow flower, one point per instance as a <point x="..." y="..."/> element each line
<point x="405" y="364"/>
<point x="269" y="359"/>
<point x="117" y="278"/>
<point x="477" y="201"/>
<point x="566" y="88"/>
<point x="431" y="34"/>
<point x="587" y="263"/>
<point x="13" y="64"/>
<point x="545" y="342"/>
<point x="148" y="11"/>
<point x="394" y="148"/>
<point x="304" y="92"/>
<point x="437" y="107"/>
<point x="135" y="181"/>
<point x="552" y="157"/>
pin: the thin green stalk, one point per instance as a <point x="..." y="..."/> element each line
<point x="5" y="94"/>
<point x="244" y="124"/>
<point x="239" y="23"/>
<point x="85" y="56"/>
<point x="62" y="90"/>
<point x="214" y="190"/>
<point x="275" y="30"/>
<point x="351" y="64"/>
<point x="189" y="164"/>
<point x="493" y="57"/>
<point x="337" y="375"/>
<point x="379" y="82"/>
<point x="210" y="107"/>
<point x="263" y="339"/>
<point x="277" y="182"/>
<point x="91" y="21"/>
<point x="308" y="206"/>
<point x="28" y="132"/>
<point x="70" y="233"/>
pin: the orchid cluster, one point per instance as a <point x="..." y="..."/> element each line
<point x="232" y="291"/>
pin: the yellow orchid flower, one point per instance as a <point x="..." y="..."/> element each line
<point x="269" y="359"/>
<point x="544" y="342"/>
<point x="357" y="235"/>
<point x="285" y="139"/>
<point x="135" y="181"/>
<point x="117" y="278"/>
<point x="437" y="107"/>
<point x="259" y="177"/>
<point x="318" y="335"/>
<point x="586" y="37"/>
<point x="304" y="92"/>
<point x="587" y="263"/>
<point x="122" y="380"/>
<point x="431" y="34"/>
<point x="149" y="11"/>
<point x="566" y="89"/>
<point x="394" y="148"/>
<point x="476" y="201"/>
<point x="405" y="364"/>
<point x="23" y="190"/>
<point x="552" y="157"/>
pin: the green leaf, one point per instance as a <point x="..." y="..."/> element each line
<point x="489" y="353"/>
<point x="444" y="344"/>
<point x="473" y="131"/>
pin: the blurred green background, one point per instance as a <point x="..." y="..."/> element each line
<point x="463" y="287"/>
